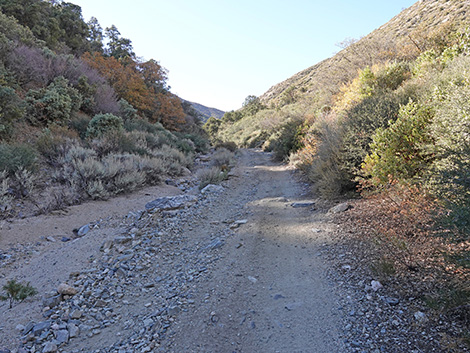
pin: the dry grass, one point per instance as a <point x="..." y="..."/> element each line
<point x="394" y="237"/>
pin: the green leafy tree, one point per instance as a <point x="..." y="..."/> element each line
<point x="16" y="291"/>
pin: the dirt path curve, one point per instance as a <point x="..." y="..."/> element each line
<point x="268" y="292"/>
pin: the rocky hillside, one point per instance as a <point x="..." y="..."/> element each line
<point x="399" y="38"/>
<point x="207" y="112"/>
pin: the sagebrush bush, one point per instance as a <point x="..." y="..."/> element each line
<point x="6" y="196"/>
<point x="213" y="175"/>
<point x="222" y="158"/>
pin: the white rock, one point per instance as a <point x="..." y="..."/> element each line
<point x="376" y="285"/>
<point x="211" y="188"/>
<point x="420" y="317"/>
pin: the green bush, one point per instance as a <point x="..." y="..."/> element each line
<point x="398" y="153"/>
<point x="11" y="109"/>
<point x="102" y="124"/>
<point x="359" y="125"/>
<point x="287" y="140"/>
<point x="200" y="143"/>
<point x="15" y="291"/>
<point x="54" y="104"/>
<point x="79" y="123"/>
<point x="16" y="157"/>
<point x="449" y="175"/>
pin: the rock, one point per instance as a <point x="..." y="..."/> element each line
<point x="316" y="230"/>
<point x="173" y="310"/>
<point x="241" y="221"/>
<point x="148" y="323"/>
<point x="65" y="239"/>
<point x="420" y="317"/>
<point x="62" y="336"/>
<point x="212" y="189"/>
<point x="83" y="230"/>
<point x="171" y="202"/>
<point x="49" y="348"/>
<point x="106" y="246"/>
<point x="28" y="328"/>
<point x="74" y="331"/>
<point x="292" y="306"/>
<point x="376" y="285"/>
<point x="339" y="208"/>
<point x="40" y="327"/>
<point x="216" y="243"/>
<point x="392" y="301"/>
<point x="76" y="314"/>
<point x="51" y="239"/>
<point x="303" y="204"/>
<point x="52" y="302"/>
<point x="252" y="279"/>
<point x="65" y="289"/>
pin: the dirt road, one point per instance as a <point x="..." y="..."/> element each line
<point x="240" y="271"/>
<point x="268" y="292"/>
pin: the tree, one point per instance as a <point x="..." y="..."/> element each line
<point x="119" y="48"/>
<point x="252" y="105"/>
<point x="95" y="36"/>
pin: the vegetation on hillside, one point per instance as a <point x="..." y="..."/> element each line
<point x="81" y="119"/>
<point x="385" y="118"/>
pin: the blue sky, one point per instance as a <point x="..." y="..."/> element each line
<point x="218" y="52"/>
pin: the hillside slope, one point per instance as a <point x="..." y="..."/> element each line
<point x="401" y="37"/>
<point x="207" y="112"/>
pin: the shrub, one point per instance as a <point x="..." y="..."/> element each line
<point x="53" y="143"/>
<point x="16" y="157"/>
<point x="79" y="123"/>
<point x="228" y="145"/>
<point x="199" y="142"/>
<point x="222" y="158"/>
<point x="6" y="196"/>
<point x="16" y="291"/>
<point x="11" y="109"/>
<point x="212" y="175"/>
<point x="397" y="152"/>
<point x="449" y="175"/>
<point x="54" y="104"/>
<point x="102" y="124"/>
<point x="287" y="140"/>
<point x="359" y="125"/>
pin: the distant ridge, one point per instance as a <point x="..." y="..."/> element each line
<point x="207" y="112"/>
